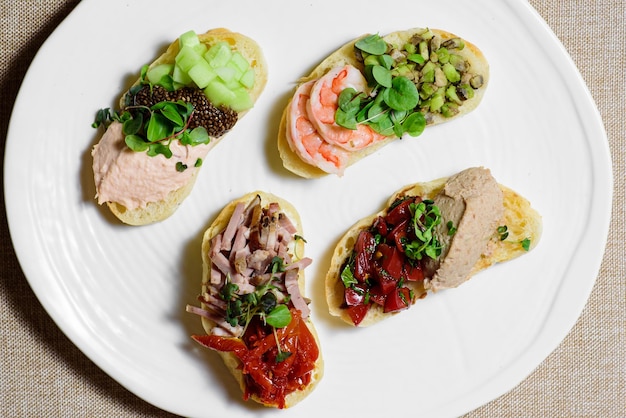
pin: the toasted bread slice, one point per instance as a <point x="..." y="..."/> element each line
<point x="522" y="222"/>
<point x="158" y="210"/>
<point x="345" y="55"/>
<point x="233" y="363"/>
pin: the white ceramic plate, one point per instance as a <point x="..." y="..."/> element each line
<point x="120" y="292"/>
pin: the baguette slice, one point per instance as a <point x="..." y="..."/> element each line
<point x="233" y="363"/>
<point x="346" y="56"/>
<point x="158" y="210"/>
<point x="523" y="223"/>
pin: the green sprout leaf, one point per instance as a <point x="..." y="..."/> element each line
<point x="132" y="126"/>
<point x="414" y="124"/>
<point x="135" y="143"/>
<point x="159" y="148"/>
<point x="282" y="356"/>
<point x="372" y="44"/>
<point x="279" y="317"/>
<point x="382" y="75"/>
<point x="171" y="112"/>
<point x="426" y="216"/>
<point x="158" y="128"/>
<point x="403" y="94"/>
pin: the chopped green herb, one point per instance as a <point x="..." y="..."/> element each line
<point x="503" y="232"/>
<point x="282" y="356"/>
<point x="451" y="228"/>
<point x="426" y="216"/>
<point x="525" y="244"/>
<point x="347" y="276"/>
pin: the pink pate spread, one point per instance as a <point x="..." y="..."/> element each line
<point x="134" y="179"/>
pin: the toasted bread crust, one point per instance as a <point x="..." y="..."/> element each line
<point x="522" y="220"/>
<point x="232" y="363"/>
<point x="162" y="209"/>
<point x="344" y="56"/>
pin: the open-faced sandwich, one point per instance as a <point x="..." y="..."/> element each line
<point x="430" y="236"/>
<point x="376" y="89"/>
<point x="253" y="307"/>
<point x="183" y="104"/>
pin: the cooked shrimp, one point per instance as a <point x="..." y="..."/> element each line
<point x="322" y="106"/>
<point x="304" y="139"/>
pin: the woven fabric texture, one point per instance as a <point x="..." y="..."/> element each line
<point x="43" y="374"/>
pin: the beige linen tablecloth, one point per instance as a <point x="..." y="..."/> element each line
<point x="43" y="374"/>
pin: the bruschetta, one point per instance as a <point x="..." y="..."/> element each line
<point x="183" y="104"/>
<point x="430" y="236"/>
<point x="376" y="89"/>
<point x="253" y="306"/>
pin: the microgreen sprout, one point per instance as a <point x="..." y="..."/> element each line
<point x="390" y="108"/>
<point x="152" y="129"/>
<point x="426" y="216"/>
<point x="503" y="232"/>
<point x="451" y="228"/>
<point x="241" y="308"/>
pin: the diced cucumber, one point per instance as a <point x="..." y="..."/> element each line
<point x="180" y="77"/>
<point x="242" y="100"/>
<point x="187" y="57"/>
<point x="218" y="93"/>
<point x="201" y="49"/>
<point x="156" y="73"/>
<point x="240" y="61"/>
<point x="218" y="55"/>
<point x="201" y="74"/>
<point x="227" y="74"/>
<point x="238" y="71"/>
<point x="247" y="79"/>
<point x="189" y="38"/>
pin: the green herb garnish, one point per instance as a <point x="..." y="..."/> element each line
<point x="152" y="129"/>
<point x="503" y="232"/>
<point x="451" y="228"/>
<point x="240" y="309"/>
<point x="426" y="216"/>
<point x="390" y="109"/>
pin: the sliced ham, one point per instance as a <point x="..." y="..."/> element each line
<point x="242" y="255"/>
<point x="235" y="220"/>
<point x="291" y="282"/>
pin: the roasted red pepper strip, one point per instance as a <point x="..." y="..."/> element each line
<point x="265" y="377"/>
